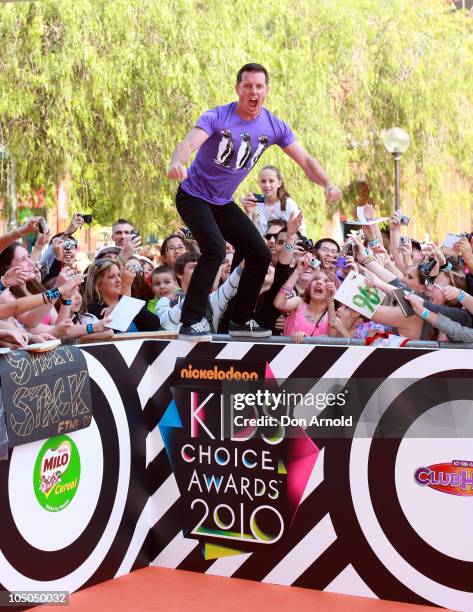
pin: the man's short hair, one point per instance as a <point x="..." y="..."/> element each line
<point x="252" y="68"/>
<point x="273" y="222"/>
<point x="318" y="244"/>
<point x="284" y="231"/>
<point x="120" y="222"/>
<point x="181" y="263"/>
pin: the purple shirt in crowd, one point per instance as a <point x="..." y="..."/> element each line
<point x="232" y="149"/>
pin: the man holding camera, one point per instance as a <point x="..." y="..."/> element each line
<point x="230" y="139"/>
<point x="125" y="236"/>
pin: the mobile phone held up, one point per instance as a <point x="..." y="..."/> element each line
<point x="260" y="197"/>
<point x="42" y="226"/>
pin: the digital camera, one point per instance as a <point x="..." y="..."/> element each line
<point x="306" y="243"/>
<point x="404" y="220"/>
<point x="426" y="268"/>
<point x="314" y="263"/>
<point x="69" y="245"/>
<point x="87" y="218"/>
<point x="341" y="263"/>
<point x="136" y="267"/>
<point x="187" y="233"/>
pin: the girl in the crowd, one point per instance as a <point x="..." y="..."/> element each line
<point x="310" y="314"/>
<point x="146" y="264"/>
<point x="82" y="322"/>
<point x="349" y="323"/>
<point x="413" y="279"/>
<point x="105" y="285"/>
<point x="173" y="246"/>
<point x="140" y="289"/>
<point x="277" y="202"/>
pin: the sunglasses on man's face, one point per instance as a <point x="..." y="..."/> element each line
<point x="269" y="237"/>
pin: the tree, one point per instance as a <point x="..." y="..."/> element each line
<point x="102" y="91"/>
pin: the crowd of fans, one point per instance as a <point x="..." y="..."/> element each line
<point x="47" y="294"/>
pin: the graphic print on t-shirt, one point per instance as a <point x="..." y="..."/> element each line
<point x="244" y="152"/>
<point x="225" y="149"/>
<point x="263" y="144"/>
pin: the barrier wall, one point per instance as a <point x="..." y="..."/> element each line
<point x="352" y="515"/>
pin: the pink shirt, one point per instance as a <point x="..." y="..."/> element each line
<point x="297" y="321"/>
<point x="47" y="320"/>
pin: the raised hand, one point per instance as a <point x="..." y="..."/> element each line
<point x="177" y="172"/>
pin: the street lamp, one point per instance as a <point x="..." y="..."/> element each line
<point x="396" y="141"/>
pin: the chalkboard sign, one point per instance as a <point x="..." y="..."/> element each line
<point x="45" y="394"/>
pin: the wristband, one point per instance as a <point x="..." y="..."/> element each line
<point x="90" y="328"/>
<point x="288" y="246"/>
<point x="286" y="291"/>
<point x="446" y="267"/>
<point x="67" y="302"/>
<point x="2" y="285"/>
<point x="424" y="314"/>
<point x="367" y="260"/>
<point x="461" y="296"/>
<point x="52" y="294"/>
<point x="373" y="243"/>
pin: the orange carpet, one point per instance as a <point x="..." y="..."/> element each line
<point x="168" y="590"/>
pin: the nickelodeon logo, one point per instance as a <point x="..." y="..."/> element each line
<point x="216" y="373"/>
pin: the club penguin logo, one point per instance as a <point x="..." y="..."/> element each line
<point x="56" y="473"/>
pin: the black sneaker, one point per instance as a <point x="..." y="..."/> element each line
<point x="250" y="329"/>
<point x="194" y="333"/>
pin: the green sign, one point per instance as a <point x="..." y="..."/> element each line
<point x="56" y="473"/>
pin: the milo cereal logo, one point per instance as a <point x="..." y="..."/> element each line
<point x="56" y="473"/>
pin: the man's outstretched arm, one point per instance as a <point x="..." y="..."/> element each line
<point x="181" y="154"/>
<point x="313" y="171"/>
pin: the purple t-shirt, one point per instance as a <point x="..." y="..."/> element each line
<point x="232" y="149"/>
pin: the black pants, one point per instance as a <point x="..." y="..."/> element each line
<point x="212" y="225"/>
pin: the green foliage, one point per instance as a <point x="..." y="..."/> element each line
<point x="102" y="91"/>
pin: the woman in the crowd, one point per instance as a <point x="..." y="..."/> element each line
<point x="16" y="256"/>
<point x="173" y="246"/>
<point x="310" y="314"/>
<point x="105" y="285"/>
<point x="12" y="309"/>
<point x="276" y="204"/>
<point x="453" y="330"/>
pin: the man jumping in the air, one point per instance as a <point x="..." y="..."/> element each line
<point x="205" y="196"/>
